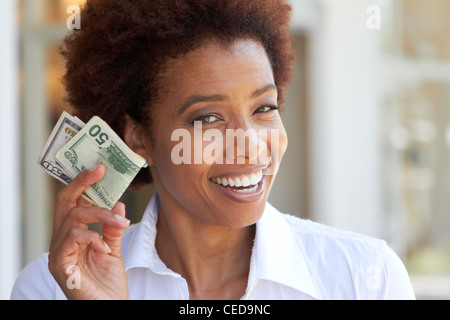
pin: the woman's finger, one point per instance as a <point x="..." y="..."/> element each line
<point x="82" y="202"/>
<point x="66" y="253"/>
<point x="112" y="235"/>
<point x="79" y="217"/>
<point x="70" y="195"/>
<point x="75" y="188"/>
<point x="80" y="237"/>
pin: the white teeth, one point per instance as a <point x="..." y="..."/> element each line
<point x="251" y="181"/>
<point x="249" y="190"/>
<point x="245" y="181"/>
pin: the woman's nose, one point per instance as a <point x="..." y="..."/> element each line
<point x="245" y="145"/>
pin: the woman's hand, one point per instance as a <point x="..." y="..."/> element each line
<point x="79" y="254"/>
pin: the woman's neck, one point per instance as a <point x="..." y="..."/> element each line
<point x="214" y="261"/>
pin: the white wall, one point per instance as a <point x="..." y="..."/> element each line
<point x="344" y="118"/>
<point x="10" y="246"/>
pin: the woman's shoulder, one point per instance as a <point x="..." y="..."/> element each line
<point x="310" y="234"/>
<point x="320" y="233"/>
<point x="365" y="261"/>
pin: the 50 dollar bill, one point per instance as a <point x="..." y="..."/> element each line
<point x="122" y="164"/>
<point x="97" y="143"/>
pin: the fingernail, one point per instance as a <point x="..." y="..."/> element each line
<point x="121" y="219"/>
<point x="94" y="168"/>
<point x="107" y="247"/>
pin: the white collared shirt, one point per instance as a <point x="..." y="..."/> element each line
<point x="292" y="258"/>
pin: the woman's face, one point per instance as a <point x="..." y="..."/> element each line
<point x="224" y="89"/>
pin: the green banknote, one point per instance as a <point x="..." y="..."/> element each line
<point x="97" y="143"/>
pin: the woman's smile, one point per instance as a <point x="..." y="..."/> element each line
<point x="248" y="194"/>
<point x="241" y="187"/>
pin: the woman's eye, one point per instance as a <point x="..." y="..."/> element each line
<point x="209" y="118"/>
<point x="264" y="109"/>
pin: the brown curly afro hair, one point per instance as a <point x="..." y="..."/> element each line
<point x="114" y="60"/>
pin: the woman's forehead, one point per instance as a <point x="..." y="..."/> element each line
<point x="214" y="66"/>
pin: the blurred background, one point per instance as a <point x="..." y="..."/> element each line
<point x="368" y="119"/>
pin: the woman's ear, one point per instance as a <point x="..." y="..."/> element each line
<point x="134" y="137"/>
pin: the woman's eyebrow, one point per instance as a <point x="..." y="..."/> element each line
<point x="197" y="98"/>
<point x="270" y="86"/>
<point x="218" y="97"/>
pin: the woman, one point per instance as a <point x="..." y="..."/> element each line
<point x="150" y="68"/>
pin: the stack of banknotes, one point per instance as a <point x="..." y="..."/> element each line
<point x="74" y="147"/>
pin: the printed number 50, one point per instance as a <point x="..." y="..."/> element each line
<point x="96" y="131"/>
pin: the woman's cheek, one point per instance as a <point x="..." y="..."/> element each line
<point x="277" y="144"/>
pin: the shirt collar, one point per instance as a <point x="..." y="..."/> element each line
<point x="141" y="250"/>
<point x="276" y="255"/>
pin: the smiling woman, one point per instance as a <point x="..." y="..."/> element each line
<point x="151" y="68"/>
